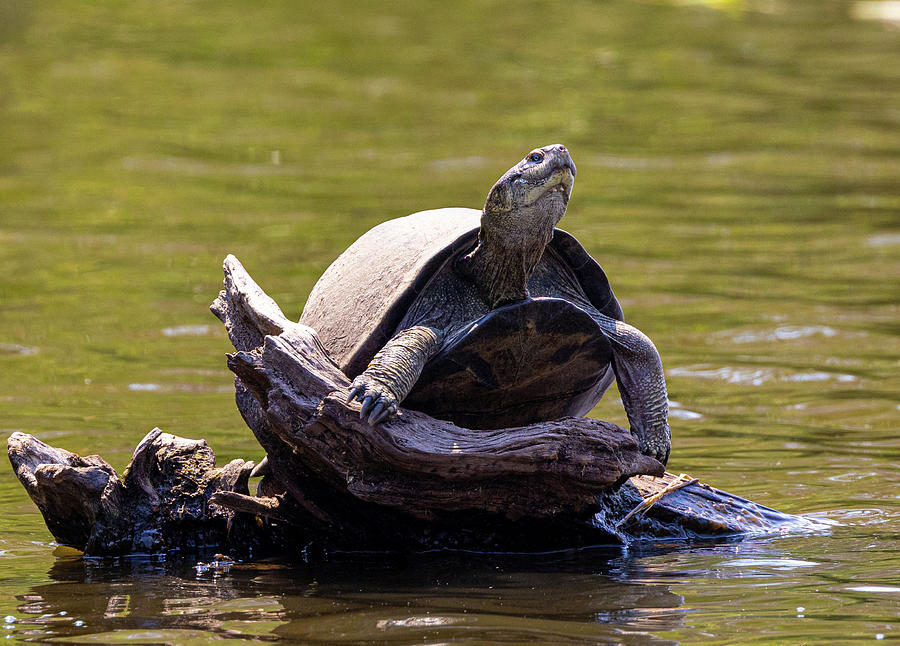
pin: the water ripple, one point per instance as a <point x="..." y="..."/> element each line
<point x="14" y="348"/>
<point x="754" y="376"/>
<point x="883" y="239"/>
<point x="728" y="374"/>
<point x="187" y="330"/>
<point x="179" y="388"/>
<point x="782" y="333"/>
<point x="677" y="411"/>
<point x="775" y="564"/>
<point x="855" y="517"/>
<point x="874" y="588"/>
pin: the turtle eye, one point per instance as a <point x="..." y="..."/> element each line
<point x="536" y="156"/>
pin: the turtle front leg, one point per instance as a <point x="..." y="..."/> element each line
<point x="393" y="372"/>
<point x="642" y="385"/>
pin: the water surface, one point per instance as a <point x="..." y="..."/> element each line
<point x="738" y="180"/>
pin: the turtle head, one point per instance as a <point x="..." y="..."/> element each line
<point x="532" y="194"/>
<point x="517" y="223"/>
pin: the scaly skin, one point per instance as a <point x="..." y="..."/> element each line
<point x="393" y="371"/>
<point x="642" y="385"/>
<point x="517" y="223"/>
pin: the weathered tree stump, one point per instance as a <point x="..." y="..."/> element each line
<point x="338" y="482"/>
<point x="161" y="502"/>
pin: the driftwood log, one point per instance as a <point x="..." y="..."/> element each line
<point x="336" y="482"/>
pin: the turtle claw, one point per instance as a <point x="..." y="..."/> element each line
<point x="661" y="456"/>
<point x="366" y="405"/>
<point x="378" y="402"/>
<point x="664" y="457"/>
<point x="377" y="413"/>
<point x="659" y="451"/>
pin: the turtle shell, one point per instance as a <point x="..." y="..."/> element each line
<point x="358" y="303"/>
<point x="535" y="360"/>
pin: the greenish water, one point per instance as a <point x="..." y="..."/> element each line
<point x="738" y="179"/>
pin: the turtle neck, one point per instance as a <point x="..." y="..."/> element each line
<point x="502" y="262"/>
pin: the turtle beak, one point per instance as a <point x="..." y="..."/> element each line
<point x="566" y="159"/>
<point x="563" y="162"/>
<point x="563" y="170"/>
<point x="563" y="158"/>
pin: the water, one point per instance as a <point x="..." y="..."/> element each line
<point x="738" y="179"/>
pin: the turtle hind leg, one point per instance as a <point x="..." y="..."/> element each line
<point x="642" y="385"/>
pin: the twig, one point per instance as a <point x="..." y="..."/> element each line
<point x="644" y="506"/>
<point x="269" y="507"/>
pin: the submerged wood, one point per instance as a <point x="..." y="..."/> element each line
<point x="336" y="481"/>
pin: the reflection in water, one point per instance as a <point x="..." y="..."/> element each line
<point x="652" y="595"/>
<point x="561" y="598"/>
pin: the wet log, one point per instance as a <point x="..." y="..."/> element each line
<point x="397" y="483"/>
<point x="160" y="503"/>
<point x="336" y="482"/>
<point x="171" y="498"/>
<point x="405" y="482"/>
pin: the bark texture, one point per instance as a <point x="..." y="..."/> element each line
<point x="160" y="503"/>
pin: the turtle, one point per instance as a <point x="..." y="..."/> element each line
<point x="489" y="319"/>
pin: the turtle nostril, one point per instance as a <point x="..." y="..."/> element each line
<point x="561" y="149"/>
